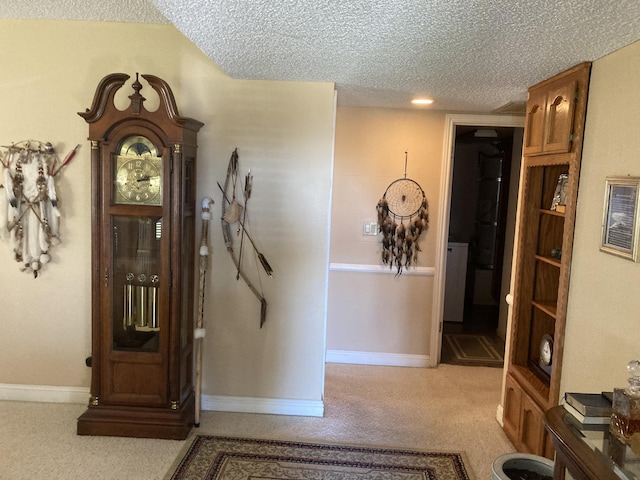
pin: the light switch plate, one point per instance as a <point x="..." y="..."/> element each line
<point x="370" y="229"/>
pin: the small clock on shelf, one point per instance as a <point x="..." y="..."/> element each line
<point x="546" y="353"/>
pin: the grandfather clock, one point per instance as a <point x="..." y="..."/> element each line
<point x="143" y="167"/>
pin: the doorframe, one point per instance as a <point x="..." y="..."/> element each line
<point x="446" y="178"/>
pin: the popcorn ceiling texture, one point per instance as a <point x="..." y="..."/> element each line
<point x="141" y="11"/>
<point x="470" y="55"/>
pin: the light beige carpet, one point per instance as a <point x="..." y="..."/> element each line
<point x="449" y="408"/>
<point x="217" y="458"/>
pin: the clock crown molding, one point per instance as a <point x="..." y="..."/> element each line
<point x="105" y="92"/>
<point x="103" y="112"/>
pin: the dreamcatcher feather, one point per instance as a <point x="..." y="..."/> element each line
<point x="29" y="214"/>
<point x="403" y="215"/>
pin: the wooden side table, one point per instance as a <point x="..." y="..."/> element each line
<point x="588" y="452"/>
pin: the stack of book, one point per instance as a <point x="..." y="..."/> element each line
<point x="589" y="408"/>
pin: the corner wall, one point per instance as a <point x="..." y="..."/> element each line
<point x="284" y="134"/>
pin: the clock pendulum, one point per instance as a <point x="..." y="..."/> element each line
<point x="153" y="302"/>
<point x="128" y="318"/>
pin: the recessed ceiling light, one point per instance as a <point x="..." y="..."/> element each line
<point x="422" y="101"/>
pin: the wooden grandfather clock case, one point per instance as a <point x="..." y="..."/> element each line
<point x="143" y="180"/>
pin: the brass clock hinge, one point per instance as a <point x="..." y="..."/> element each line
<point x="106" y="277"/>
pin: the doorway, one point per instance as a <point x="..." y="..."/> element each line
<point x="483" y="226"/>
<point x="478" y="222"/>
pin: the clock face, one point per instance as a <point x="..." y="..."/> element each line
<point x="138" y="173"/>
<point x="546" y="350"/>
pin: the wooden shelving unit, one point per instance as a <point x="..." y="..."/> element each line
<point x="552" y="146"/>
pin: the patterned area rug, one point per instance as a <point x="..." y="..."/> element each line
<point x="223" y="458"/>
<point x="471" y="350"/>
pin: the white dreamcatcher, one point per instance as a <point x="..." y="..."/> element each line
<point x="29" y="214"/>
<point x="403" y="215"/>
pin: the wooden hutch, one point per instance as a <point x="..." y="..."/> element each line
<point x="552" y="148"/>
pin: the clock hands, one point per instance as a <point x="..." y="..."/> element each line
<point x="146" y="178"/>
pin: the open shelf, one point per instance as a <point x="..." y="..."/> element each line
<point x="549" y="260"/>
<point x="545" y="211"/>
<point x="546" y="307"/>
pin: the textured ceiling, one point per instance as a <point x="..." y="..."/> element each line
<point x="469" y="55"/>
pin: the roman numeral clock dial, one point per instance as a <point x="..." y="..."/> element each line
<point x="138" y="173"/>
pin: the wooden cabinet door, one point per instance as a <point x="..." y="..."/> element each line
<point x="534" y="128"/>
<point x="531" y="427"/>
<point x="511" y="411"/>
<point x="561" y="102"/>
<point x="522" y="420"/>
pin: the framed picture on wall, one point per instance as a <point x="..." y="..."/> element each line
<point x="620" y="217"/>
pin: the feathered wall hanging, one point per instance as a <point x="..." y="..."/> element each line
<point x="29" y="213"/>
<point x="403" y="215"/>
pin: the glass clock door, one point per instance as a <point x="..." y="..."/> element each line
<point x="137" y="282"/>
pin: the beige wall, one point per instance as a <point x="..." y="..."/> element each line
<point x="284" y="133"/>
<point x="369" y="309"/>
<point x="604" y="305"/>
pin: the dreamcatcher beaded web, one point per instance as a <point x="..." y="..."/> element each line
<point x="403" y="214"/>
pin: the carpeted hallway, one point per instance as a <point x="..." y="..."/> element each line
<point x="449" y="408"/>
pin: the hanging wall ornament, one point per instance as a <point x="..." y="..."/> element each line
<point x="29" y="215"/>
<point x="403" y="215"/>
<point x="232" y="213"/>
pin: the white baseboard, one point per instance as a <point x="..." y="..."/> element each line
<point x="375" y="358"/>
<point x="500" y="415"/>
<point x="221" y="403"/>
<point x="43" y="393"/>
<point x="274" y="406"/>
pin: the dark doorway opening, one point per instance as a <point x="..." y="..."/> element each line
<point x="481" y="213"/>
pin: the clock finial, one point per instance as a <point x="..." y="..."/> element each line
<point x="136" y="98"/>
